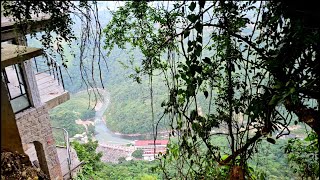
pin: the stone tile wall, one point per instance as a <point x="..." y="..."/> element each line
<point x="34" y="125"/>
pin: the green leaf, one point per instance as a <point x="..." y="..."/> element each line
<point x="224" y="157"/>
<point x="202" y="3"/>
<point x="198" y="50"/>
<point x="192" y="6"/>
<point x="193" y="114"/>
<point x="292" y="90"/>
<point x="274" y="100"/>
<point x="199" y="26"/>
<point x="199" y="39"/>
<point x="207" y="60"/>
<point x="163" y="103"/>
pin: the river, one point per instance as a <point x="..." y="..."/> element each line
<point x="103" y="134"/>
<point x="106" y="136"/>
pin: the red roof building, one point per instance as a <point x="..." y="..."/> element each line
<point x="151" y="148"/>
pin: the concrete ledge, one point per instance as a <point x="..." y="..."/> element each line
<point x="58" y="100"/>
<point x="8" y="31"/>
<point x="14" y="54"/>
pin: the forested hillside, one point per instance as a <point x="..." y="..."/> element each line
<point x="238" y="76"/>
<point x="130" y="110"/>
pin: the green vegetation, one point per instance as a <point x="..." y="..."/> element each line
<point x="268" y="162"/>
<point x="95" y="169"/>
<point x="256" y="64"/>
<point x="126" y="95"/>
<point x="87" y="153"/>
<point x="302" y="156"/>
<point x="66" y="114"/>
<point x="138" y="153"/>
<point x="131" y="170"/>
<point x="128" y="98"/>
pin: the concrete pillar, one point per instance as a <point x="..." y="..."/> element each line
<point x="31" y="84"/>
<point x="41" y="157"/>
<point x="28" y="74"/>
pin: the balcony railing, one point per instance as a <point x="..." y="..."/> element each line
<point x="67" y="146"/>
<point x="68" y="158"/>
<point x="50" y="66"/>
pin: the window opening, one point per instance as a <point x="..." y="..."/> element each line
<point x="16" y="86"/>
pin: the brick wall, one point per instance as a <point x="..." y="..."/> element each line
<point x="34" y="125"/>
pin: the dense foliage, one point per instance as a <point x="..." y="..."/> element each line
<point x="302" y="156"/>
<point x="256" y="63"/>
<point x="92" y="160"/>
<point x="138" y="153"/>
<point x="133" y="170"/>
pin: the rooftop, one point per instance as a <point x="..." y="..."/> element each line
<point x="150" y="142"/>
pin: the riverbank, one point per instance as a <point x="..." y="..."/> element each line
<point x="103" y="133"/>
<point x="142" y="134"/>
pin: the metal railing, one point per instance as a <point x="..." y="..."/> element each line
<point x="67" y="143"/>
<point x="51" y="66"/>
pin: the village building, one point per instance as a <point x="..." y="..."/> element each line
<point x="151" y="148"/>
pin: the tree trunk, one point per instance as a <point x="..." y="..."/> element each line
<point x="237" y="173"/>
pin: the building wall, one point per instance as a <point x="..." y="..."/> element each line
<point x="31" y="125"/>
<point x="34" y="126"/>
<point x="10" y="138"/>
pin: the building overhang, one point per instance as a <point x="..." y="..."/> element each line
<point x="14" y="54"/>
<point x="8" y="29"/>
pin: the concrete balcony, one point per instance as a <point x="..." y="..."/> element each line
<point x="26" y="84"/>
<point x="51" y="91"/>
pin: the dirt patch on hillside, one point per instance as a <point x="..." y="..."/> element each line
<point x="84" y="123"/>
